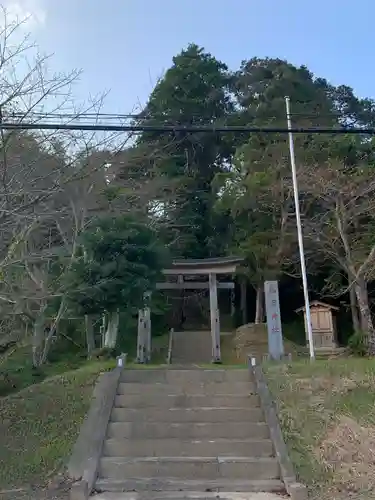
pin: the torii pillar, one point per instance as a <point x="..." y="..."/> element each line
<point x="215" y="319"/>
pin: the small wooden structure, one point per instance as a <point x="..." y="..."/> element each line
<point x="175" y="281"/>
<point x="323" y="325"/>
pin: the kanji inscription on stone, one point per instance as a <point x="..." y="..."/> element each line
<point x="275" y="337"/>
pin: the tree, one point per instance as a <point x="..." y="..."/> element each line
<point x="194" y="91"/>
<point x="48" y="188"/>
<point x="259" y="189"/>
<point x="121" y="260"/>
<point x="342" y="225"/>
<point x="256" y="189"/>
<point x="259" y="201"/>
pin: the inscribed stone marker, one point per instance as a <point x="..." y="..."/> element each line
<point x="275" y="336"/>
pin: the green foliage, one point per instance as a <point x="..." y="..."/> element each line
<point x="295" y="331"/>
<point x="159" y="313"/>
<point x="17" y="372"/>
<point x="256" y="193"/>
<point x="122" y="260"/>
<point x="194" y="91"/>
<point x="358" y="343"/>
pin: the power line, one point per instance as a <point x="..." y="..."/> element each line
<point x="139" y="116"/>
<point x="78" y="116"/>
<point x="185" y="129"/>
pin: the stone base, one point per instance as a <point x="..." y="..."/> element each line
<point x="327" y="352"/>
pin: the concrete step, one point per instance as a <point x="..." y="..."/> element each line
<point x="184" y="401"/>
<point x="211" y="415"/>
<point x="190" y="467"/>
<point x="192" y="344"/>
<point x="198" y="356"/>
<point x="179" y="487"/>
<point x="194" y="448"/>
<point x="187" y="387"/>
<point x="164" y="430"/>
<point x="180" y="375"/>
<point x="187" y="495"/>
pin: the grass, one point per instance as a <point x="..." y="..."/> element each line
<point x="39" y="425"/>
<point x="327" y="412"/>
<point x="16" y="371"/>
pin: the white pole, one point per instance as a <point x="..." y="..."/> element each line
<point x="299" y="230"/>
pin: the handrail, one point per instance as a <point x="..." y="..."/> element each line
<point x="170" y="346"/>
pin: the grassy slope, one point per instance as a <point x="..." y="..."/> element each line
<point x="39" y="424"/>
<point x="17" y="365"/>
<point x="327" y="411"/>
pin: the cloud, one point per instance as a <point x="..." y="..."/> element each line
<point x="30" y="12"/>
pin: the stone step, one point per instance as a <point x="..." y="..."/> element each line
<point x="180" y="375"/>
<point x="164" y="430"/>
<point x="184" y="401"/>
<point x="193" y="345"/>
<point x="193" y="448"/>
<point x="212" y="415"/>
<point x="200" y="355"/>
<point x="187" y="495"/>
<point x="187" y="387"/>
<point x="190" y="467"/>
<point x="168" y="487"/>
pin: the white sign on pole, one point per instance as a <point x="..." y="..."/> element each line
<point x="275" y="336"/>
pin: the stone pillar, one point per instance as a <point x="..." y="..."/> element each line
<point x="215" y="320"/>
<point x="274" y="327"/>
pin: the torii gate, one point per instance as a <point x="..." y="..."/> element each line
<point x="180" y="268"/>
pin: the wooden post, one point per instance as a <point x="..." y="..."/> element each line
<point x="233" y="306"/>
<point x="144" y="332"/>
<point x="141" y="348"/>
<point x="147" y="322"/>
<point x="215" y="321"/>
<point x="244" y="300"/>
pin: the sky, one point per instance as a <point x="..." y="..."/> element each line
<point x="124" y="46"/>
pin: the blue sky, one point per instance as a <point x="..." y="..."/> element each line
<point x="124" y="46"/>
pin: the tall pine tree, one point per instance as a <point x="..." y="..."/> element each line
<point x="194" y="91"/>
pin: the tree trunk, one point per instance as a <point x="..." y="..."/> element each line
<point x="354" y="310"/>
<point x="367" y="325"/>
<point x="259" y="306"/>
<point x="38" y="337"/>
<point x="103" y="328"/>
<point x="90" y="339"/>
<point x="52" y="331"/>
<point x="112" y="330"/>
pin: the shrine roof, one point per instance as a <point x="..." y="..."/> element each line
<point x="317" y="303"/>
<point x="215" y="265"/>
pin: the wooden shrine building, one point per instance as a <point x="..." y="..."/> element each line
<point x="208" y="270"/>
<point x="323" y="325"/>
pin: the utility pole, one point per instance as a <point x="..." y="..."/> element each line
<point x="299" y="230"/>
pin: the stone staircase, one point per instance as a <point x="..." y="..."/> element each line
<point x="192" y="347"/>
<point x="188" y="433"/>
